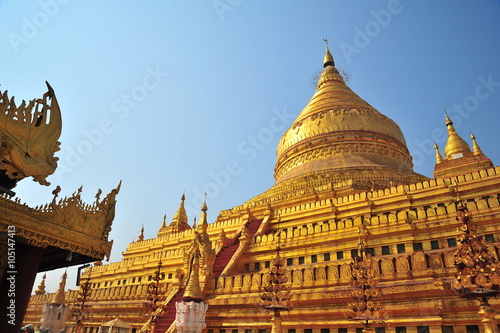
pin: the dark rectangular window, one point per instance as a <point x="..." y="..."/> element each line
<point x="210" y="331"/>
<point x="422" y="329"/>
<point x="380" y="330"/>
<point x="314" y="258"/>
<point x="401" y="248"/>
<point x="169" y="276"/>
<point x="342" y="330"/>
<point x="386" y="250"/>
<point x="447" y="329"/>
<point x="291" y="330"/>
<point x="267" y="264"/>
<point x="417" y="247"/>
<point x="354" y="253"/>
<point x="359" y="329"/>
<point x="262" y="330"/>
<point x="325" y="330"/>
<point x="118" y="283"/>
<point x="140" y="279"/>
<point x="234" y="331"/>
<point x="400" y="329"/>
<point x="257" y="266"/>
<point x="248" y="331"/>
<point x="301" y="260"/>
<point x="472" y="329"/>
<point x="452" y="242"/>
<point x="308" y="330"/>
<point x="326" y="256"/>
<point x="133" y="280"/>
<point x="434" y="245"/>
<point x="289" y="261"/>
<point x="340" y="255"/>
<point x="222" y="330"/>
<point x="370" y="251"/>
<point x="247" y="267"/>
<point x="489" y="238"/>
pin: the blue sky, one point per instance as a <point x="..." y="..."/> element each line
<point x="173" y="96"/>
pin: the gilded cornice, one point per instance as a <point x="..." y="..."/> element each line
<point x="68" y="224"/>
<point x="29" y="136"/>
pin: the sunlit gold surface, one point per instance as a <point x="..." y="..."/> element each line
<point x="338" y="130"/>
<point x="319" y="209"/>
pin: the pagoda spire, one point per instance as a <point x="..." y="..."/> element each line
<point x="455" y="145"/>
<point x="164" y="223"/>
<point x="203" y="224"/>
<point x="328" y="60"/>
<point x="475" y="147"/>
<point x="141" y="235"/>
<point x="41" y="287"/>
<point x="193" y="290"/>
<point x="439" y="158"/>
<point x="180" y="216"/>
<point x="59" y="296"/>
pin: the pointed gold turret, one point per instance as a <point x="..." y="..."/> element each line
<point x="475" y="146"/>
<point x="141" y="235"/>
<point x="41" y="287"/>
<point x="455" y="145"/>
<point x="439" y="158"/>
<point x="203" y="224"/>
<point x="59" y="296"/>
<point x="193" y="290"/>
<point x="179" y="221"/>
<point x="164" y="223"/>
<point x="180" y="216"/>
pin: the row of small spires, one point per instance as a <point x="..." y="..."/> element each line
<point x="455" y="145"/>
<point x="59" y="297"/>
<point x="180" y="219"/>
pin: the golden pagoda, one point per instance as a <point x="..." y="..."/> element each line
<point x="343" y="174"/>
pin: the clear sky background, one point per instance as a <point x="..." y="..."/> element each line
<point x="164" y="94"/>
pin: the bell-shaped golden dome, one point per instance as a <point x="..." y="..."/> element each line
<point x="340" y="132"/>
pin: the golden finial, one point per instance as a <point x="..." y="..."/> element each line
<point x="141" y="235"/>
<point x="475" y="146"/>
<point x="328" y="60"/>
<point x="59" y="296"/>
<point x="193" y="290"/>
<point x="164" y="223"/>
<point x="439" y="158"/>
<point x="41" y="287"/>
<point x="203" y="217"/>
<point x="455" y="145"/>
<point x="98" y="195"/>
<point x="180" y="216"/>
<point x="204" y="206"/>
